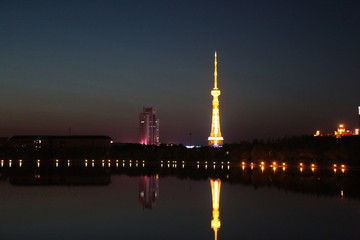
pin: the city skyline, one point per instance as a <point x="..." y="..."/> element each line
<point x="287" y="68"/>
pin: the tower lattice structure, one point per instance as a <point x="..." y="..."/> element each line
<point x="215" y="139"/>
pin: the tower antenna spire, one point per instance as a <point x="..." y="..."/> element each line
<point x="215" y="72"/>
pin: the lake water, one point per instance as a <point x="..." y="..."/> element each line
<point x="177" y="203"/>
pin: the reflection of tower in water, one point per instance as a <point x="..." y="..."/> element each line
<point x="215" y="195"/>
<point x="148" y="190"/>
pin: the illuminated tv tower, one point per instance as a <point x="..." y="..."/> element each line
<point x="215" y="195"/>
<point x="215" y="139"/>
<point x="359" y="116"/>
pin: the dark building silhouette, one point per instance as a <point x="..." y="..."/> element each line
<point x="61" y="144"/>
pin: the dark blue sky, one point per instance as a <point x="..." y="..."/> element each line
<point x="285" y="67"/>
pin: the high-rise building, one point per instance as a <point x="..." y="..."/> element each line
<point x="215" y="139"/>
<point x="149" y="127"/>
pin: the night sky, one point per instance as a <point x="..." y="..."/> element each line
<point x="285" y="67"/>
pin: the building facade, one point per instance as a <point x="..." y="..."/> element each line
<point x="149" y="127"/>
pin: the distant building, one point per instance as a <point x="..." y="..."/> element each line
<point x="340" y="132"/>
<point x="149" y="127"/>
<point x="58" y="144"/>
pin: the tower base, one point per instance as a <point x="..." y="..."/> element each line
<point x="215" y="141"/>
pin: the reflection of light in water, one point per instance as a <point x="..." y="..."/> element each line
<point x="68" y="163"/>
<point x="284" y="166"/>
<point x="252" y="166"/>
<point x="215" y="196"/>
<point x="342" y="194"/>
<point x="243" y="167"/>
<point x="274" y="166"/>
<point x="10" y="163"/>
<point x="20" y="163"/>
<point x="342" y="168"/>
<point x="262" y="166"/>
<point x="93" y="163"/>
<point x="103" y="163"/>
<point x="312" y="167"/>
<point x="86" y="162"/>
<point x="38" y="163"/>
<point x="2" y="163"/>
<point x="57" y="163"/>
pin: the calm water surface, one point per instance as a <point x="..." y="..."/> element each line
<point x="167" y="207"/>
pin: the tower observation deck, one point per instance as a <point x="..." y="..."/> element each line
<point x="215" y="139"/>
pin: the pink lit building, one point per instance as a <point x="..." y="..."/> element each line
<point x="149" y="127"/>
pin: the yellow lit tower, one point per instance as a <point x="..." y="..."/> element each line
<point x="215" y="195"/>
<point x="215" y="139"/>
